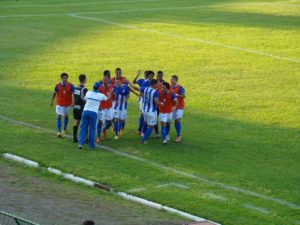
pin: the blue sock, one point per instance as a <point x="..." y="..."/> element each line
<point x="58" y="123"/>
<point x="141" y="123"/>
<point x="99" y="128"/>
<point x="145" y="127"/>
<point x="168" y="127"/>
<point x="164" y="132"/>
<point x="147" y="134"/>
<point x="156" y="129"/>
<point x="122" y="123"/>
<point x="107" y="125"/>
<point x="116" y="127"/>
<point x="66" y="121"/>
<point x="178" y="129"/>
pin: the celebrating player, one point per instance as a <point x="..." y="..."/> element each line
<point x="122" y="93"/>
<point x="178" y="112"/>
<point x="168" y="103"/>
<point x="89" y="115"/>
<point x="106" y="108"/>
<point x="63" y="92"/>
<point x="79" y="102"/>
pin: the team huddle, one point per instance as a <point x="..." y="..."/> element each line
<point x="106" y="105"/>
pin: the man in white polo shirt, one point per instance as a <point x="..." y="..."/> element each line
<point x="89" y="116"/>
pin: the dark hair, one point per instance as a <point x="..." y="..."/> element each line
<point x="82" y="78"/>
<point x="118" y="69"/>
<point x="106" y="73"/>
<point x="160" y="72"/>
<point x="64" y="75"/>
<point x="167" y="85"/>
<point x="175" y="77"/>
<point x="88" y="222"/>
<point x="150" y="72"/>
<point x="153" y="82"/>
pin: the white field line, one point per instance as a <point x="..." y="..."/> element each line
<point x="198" y="40"/>
<point x="170" y="169"/>
<point x="214" y="196"/>
<point x="123" y="195"/>
<point x="174" y="184"/>
<point x="75" y="4"/>
<point x="256" y="208"/>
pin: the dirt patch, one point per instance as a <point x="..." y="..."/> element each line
<point x="48" y="200"/>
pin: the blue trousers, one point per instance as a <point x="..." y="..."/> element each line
<point x="88" y="123"/>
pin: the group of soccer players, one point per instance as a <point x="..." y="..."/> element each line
<point x="105" y="106"/>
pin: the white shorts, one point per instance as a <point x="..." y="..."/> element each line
<point x="177" y="114"/>
<point x="63" y="110"/>
<point x="150" y="118"/>
<point x="166" y="117"/>
<point x="106" y="114"/>
<point x="141" y="105"/>
<point x="120" y="114"/>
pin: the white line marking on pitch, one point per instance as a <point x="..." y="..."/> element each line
<point x="75" y="4"/>
<point x="256" y="208"/>
<point x="174" y="184"/>
<point x="199" y="40"/>
<point x="214" y="196"/>
<point x="169" y="169"/>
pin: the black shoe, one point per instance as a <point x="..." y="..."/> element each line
<point x="75" y="140"/>
<point x="87" y="141"/>
<point x="80" y="147"/>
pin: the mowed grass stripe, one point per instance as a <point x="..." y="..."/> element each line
<point x="168" y="169"/>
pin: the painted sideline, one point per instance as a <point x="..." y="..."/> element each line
<point x="169" y="169"/>
<point x="89" y="183"/>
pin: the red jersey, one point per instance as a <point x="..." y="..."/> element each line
<point x="159" y="86"/>
<point x="179" y="90"/>
<point x="122" y="79"/>
<point x="107" y="91"/>
<point x="167" y="98"/>
<point x="64" y="94"/>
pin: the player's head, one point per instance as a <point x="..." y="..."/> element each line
<point x="118" y="82"/>
<point x="174" y="80"/>
<point x="106" y="80"/>
<point x="88" y="222"/>
<point x="106" y="73"/>
<point x="118" y="73"/>
<point x="146" y="74"/>
<point x="166" y="86"/>
<point x="160" y="75"/>
<point x="82" y="78"/>
<point x="96" y="86"/>
<point x="150" y="75"/>
<point x="64" y="77"/>
<point x="154" y="83"/>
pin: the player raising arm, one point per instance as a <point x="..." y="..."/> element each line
<point x="63" y="92"/>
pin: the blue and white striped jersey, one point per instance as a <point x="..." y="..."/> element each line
<point x="150" y="94"/>
<point x="120" y="94"/>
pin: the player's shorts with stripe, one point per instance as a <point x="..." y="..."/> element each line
<point x="62" y="110"/>
<point x="166" y="117"/>
<point x="120" y="114"/>
<point x="177" y="114"/>
<point x="150" y="118"/>
<point x="106" y="114"/>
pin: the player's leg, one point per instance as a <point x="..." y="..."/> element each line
<point x="108" y="117"/>
<point x="83" y="129"/>
<point x="156" y="127"/>
<point x="77" y="117"/>
<point x="59" y="113"/>
<point x="151" y="118"/>
<point x="168" y="125"/>
<point x="66" y="112"/>
<point x="141" y="123"/>
<point x="99" y="126"/>
<point x="92" y="130"/>
<point x="116" y="123"/>
<point x="179" y="114"/>
<point x="163" y="119"/>
<point x="123" y="117"/>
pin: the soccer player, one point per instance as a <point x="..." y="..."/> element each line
<point x="106" y="108"/>
<point x="178" y="112"/>
<point x="151" y="103"/>
<point x="89" y="116"/>
<point x="140" y="83"/>
<point x="168" y="103"/>
<point x="160" y="76"/>
<point x="63" y="92"/>
<point x="79" y="102"/>
<point x="121" y="93"/>
<point x="119" y="76"/>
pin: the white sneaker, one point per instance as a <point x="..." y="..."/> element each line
<point x="168" y="138"/>
<point x="165" y="142"/>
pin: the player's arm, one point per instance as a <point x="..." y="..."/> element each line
<point x="181" y="93"/>
<point x="132" y="86"/>
<point x="54" y="95"/>
<point x="73" y="91"/>
<point x="176" y="104"/>
<point x="133" y="91"/>
<point x="136" y="77"/>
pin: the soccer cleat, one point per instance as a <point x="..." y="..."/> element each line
<point x="116" y="137"/>
<point x="80" y="147"/>
<point x="98" y="140"/>
<point x="105" y="134"/>
<point x="75" y="140"/>
<point x="142" y="134"/>
<point x="59" y="134"/>
<point x="168" y="138"/>
<point x="63" y="133"/>
<point x="156" y="136"/>
<point x="139" y="133"/>
<point x="165" y="142"/>
<point x="178" y="139"/>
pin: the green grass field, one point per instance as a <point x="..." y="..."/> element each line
<point x="239" y="62"/>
